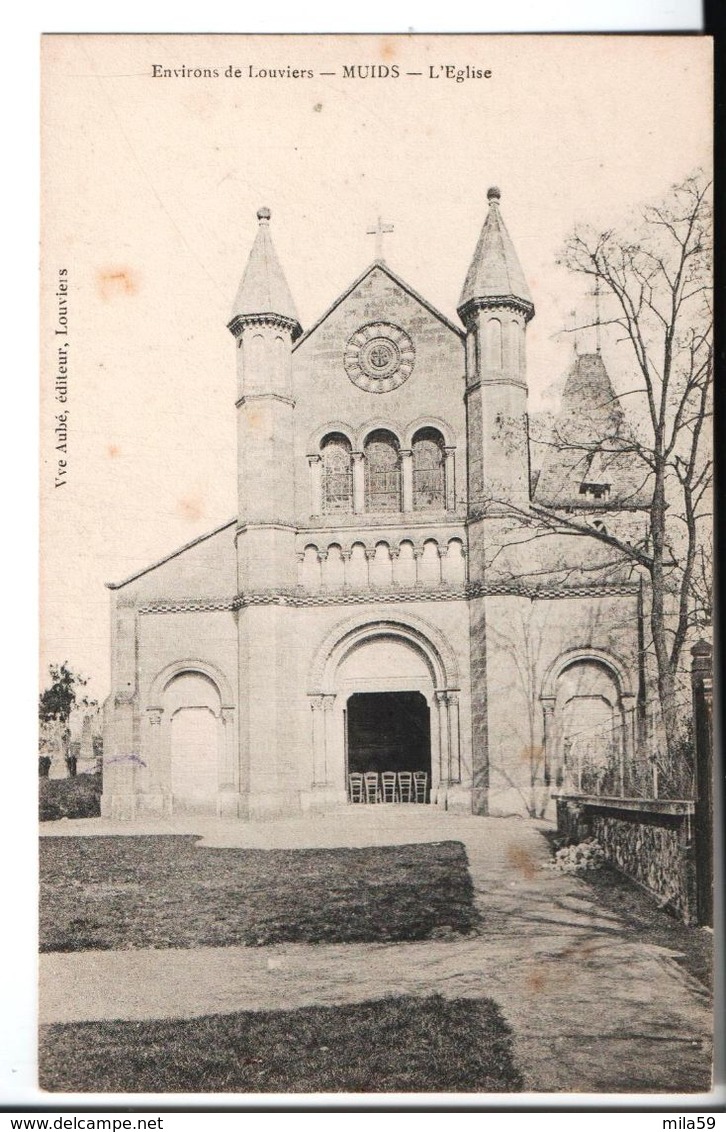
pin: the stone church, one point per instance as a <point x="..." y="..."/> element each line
<point x="384" y="599"/>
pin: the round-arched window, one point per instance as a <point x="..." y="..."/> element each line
<point x="337" y="474"/>
<point x="382" y="472"/>
<point x="429" y="479"/>
<point x="493" y="338"/>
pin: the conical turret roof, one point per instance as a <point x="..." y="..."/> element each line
<point x="495" y="271"/>
<point x="264" y="289"/>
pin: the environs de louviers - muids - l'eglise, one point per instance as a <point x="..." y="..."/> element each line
<point x="377" y="604"/>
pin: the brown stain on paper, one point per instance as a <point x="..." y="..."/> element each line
<point x="190" y="507"/>
<point x="116" y="282"/>
<point x="523" y="860"/>
<point x="259" y="423"/>
<point x="112" y="451"/>
<point x="536" y="982"/>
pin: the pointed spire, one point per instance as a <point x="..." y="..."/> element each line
<point x="264" y="289"/>
<point x="495" y="275"/>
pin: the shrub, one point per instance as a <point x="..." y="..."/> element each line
<point x="78" y="797"/>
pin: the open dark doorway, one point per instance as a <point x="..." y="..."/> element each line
<point x="388" y="731"/>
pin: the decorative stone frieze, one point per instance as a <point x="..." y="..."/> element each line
<point x="419" y="592"/>
<point x="239" y="322"/>
<point x="265" y="397"/>
<point x="357" y="597"/>
<point x="187" y="605"/>
<point x="501" y="302"/>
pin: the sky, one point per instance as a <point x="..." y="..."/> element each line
<point x="150" y="188"/>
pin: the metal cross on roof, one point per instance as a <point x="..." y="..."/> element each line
<point x="573" y="330"/>
<point x="379" y="232"/>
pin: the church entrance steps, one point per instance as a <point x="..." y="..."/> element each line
<point x="590" y="1004"/>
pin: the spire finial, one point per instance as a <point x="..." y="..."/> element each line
<point x="494" y="195"/>
<point x="263" y="215"/>
<point x="596" y="320"/>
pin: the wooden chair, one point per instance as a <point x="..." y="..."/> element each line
<point x="355" y="788"/>
<point x="405" y="786"/>
<point x="388" y="786"/>
<point x="420" y="782"/>
<point x="370" y="779"/>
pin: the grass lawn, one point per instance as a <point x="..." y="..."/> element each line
<point x="78" y="797"/>
<point x="391" y="1045"/>
<point x="164" y="891"/>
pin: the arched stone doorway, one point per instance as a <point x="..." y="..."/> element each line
<point x="386" y="695"/>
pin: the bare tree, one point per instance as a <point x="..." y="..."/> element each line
<point x="656" y="281"/>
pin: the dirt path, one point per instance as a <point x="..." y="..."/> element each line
<point x="592" y="1008"/>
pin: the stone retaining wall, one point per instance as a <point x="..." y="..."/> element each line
<point x="649" y="841"/>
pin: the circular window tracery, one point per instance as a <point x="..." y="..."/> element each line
<point x="379" y="357"/>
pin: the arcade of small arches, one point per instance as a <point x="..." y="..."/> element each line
<point x="383" y="474"/>
<point x="361" y="565"/>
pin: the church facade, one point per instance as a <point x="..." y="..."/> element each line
<point x="382" y="600"/>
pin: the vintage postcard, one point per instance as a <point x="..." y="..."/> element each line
<point x="375" y="718"/>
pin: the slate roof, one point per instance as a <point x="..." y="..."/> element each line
<point x="495" y="270"/>
<point x="588" y="389"/>
<point x="589" y="462"/>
